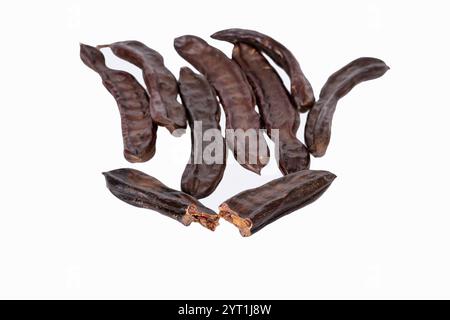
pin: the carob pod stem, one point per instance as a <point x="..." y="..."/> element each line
<point x="318" y="124"/>
<point x="253" y="209"/>
<point x="138" y="129"/>
<point x="275" y="107"/>
<point x="301" y="90"/>
<point x="200" y="177"/>
<point x="235" y="95"/>
<point x="144" y="191"/>
<point x="161" y="83"/>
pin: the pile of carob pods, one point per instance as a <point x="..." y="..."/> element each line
<point x="239" y="83"/>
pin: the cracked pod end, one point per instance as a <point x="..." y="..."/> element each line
<point x="244" y="225"/>
<point x="207" y="220"/>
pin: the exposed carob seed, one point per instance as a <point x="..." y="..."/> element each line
<point x="318" y="124"/>
<point x="301" y="89"/>
<point x="235" y="95"/>
<point x="144" y="191"/>
<point x="161" y="83"/>
<point x="138" y="129"/>
<point x="200" y="178"/>
<point x="253" y="209"/>
<point x="275" y="107"/>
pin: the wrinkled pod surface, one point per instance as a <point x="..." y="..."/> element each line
<point x="275" y="107"/>
<point x="202" y="176"/>
<point x="235" y="95"/>
<point x="301" y="90"/>
<point x="160" y="82"/>
<point x="253" y="209"/>
<point x="138" y="129"/>
<point x="144" y="191"/>
<point x="318" y="123"/>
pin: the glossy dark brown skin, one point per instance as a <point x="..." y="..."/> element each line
<point x="301" y="90"/>
<point x="143" y="191"/>
<point x="253" y="209"/>
<point x="234" y="92"/>
<point x="275" y="107"/>
<point x="318" y="124"/>
<point x="199" y="98"/>
<point x="138" y="129"/>
<point x="161" y="84"/>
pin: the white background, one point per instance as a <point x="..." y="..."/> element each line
<point x="381" y="230"/>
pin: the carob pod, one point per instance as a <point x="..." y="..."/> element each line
<point x="138" y="129"/>
<point x="161" y="83"/>
<point x="235" y="95"/>
<point x="143" y="191"/>
<point x="200" y="177"/>
<point x="253" y="209"/>
<point x="318" y="124"/>
<point x="275" y="107"/>
<point x="301" y="90"/>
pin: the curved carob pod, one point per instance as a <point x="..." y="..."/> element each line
<point x="301" y="90"/>
<point x="161" y="83"/>
<point x="200" y="178"/>
<point x="138" y="129"/>
<point x="144" y="191"/>
<point x="318" y="124"/>
<point x="275" y="107"/>
<point x="253" y="209"/>
<point x="235" y="95"/>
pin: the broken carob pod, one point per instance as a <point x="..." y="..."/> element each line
<point x="161" y="84"/>
<point x="205" y="169"/>
<point x="318" y="123"/>
<point x="236" y="97"/>
<point x="138" y="129"/>
<point x="143" y="191"/>
<point x="253" y="209"/>
<point x="278" y="113"/>
<point x="301" y="90"/>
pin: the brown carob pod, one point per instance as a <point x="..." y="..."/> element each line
<point x="138" y="129"/>
<point x="275" y="107"/>
<point x="301" y="90"/>
<point x="318" y="124"/>
<point x="161" y="83"/>
<point x="200" y="178"/>
<point x="253" y="209"/>
<point x="235" y="95"/>
<point x="143" y="191"/>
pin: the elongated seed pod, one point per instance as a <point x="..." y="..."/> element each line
<point x="301" y="90"/>
<point x="275" y="108"/>
<point x="144" y="191"/>
<point x="253" y="209"/>
<point x="235" y="95"/>
<point x="318" y="124"/>
<point x="161" y="84"/>
<point x="138" y="129"/>
<point x="201" y="176"/>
